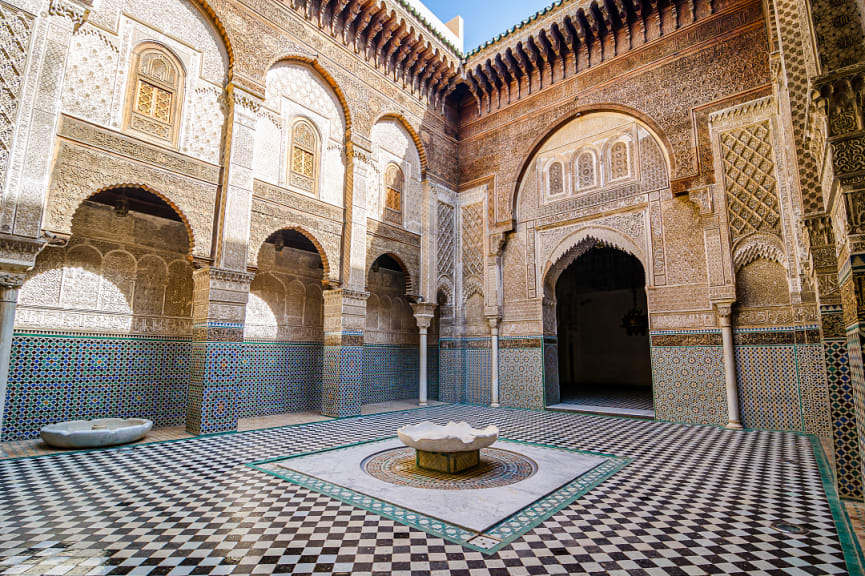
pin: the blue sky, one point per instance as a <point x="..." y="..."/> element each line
<point x="485" y="18"/>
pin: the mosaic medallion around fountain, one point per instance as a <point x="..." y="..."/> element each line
<point x="497" y="468"/>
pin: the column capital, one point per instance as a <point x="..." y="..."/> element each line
<point x="423" y="313"/>
<point x="494" y="324"/>
<point x="13" y="280"/>
<point x="725" y="312"/>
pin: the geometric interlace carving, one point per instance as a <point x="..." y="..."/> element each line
<point x="473" y="241"/>
<point x="749" y="172"/>
<point x="445" y="239"/>
<point x="15" y="30"/>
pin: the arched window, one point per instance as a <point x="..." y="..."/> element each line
<point x="156" y="94"/>
<point x="619" y="165"/>
<point x="586" y="177"/>
<point x="557" y="180"/>
<point x="304" y="156"/>
<point x="394" y="182"/>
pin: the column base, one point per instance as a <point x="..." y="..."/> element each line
<point x="734" y="426"/>
<point x="423" y="403"/>
<point x="495" y="405"/>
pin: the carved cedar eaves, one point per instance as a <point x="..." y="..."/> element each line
<point x="585" y="32"/>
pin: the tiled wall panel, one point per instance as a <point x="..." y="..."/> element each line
<point x="433" y="372"/>
<point x="521" y="377"/>
<point x="280" y="377"/>
<point x="768" y="387"/>
<point x="451" y="374"/>
<point x="389" y="373"/>
<point x="689" y="384"/>
<point x="54" y="378"/>
<point x="844" y="438"/>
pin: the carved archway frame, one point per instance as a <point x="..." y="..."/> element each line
<point x="510" y="223"/>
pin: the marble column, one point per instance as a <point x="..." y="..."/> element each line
<point x="494" y="361"/>
<point x="9" y="286"/>
<point x="423" y="313"/>
<point x="734" y="421"/>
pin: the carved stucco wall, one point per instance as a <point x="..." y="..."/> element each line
<point x="296" y="91"/>
<point x="391" y="143"/>
<point x="100" y="57"/>
<point x="621" y="197"/>
<point x="80" y="172"/>
<point x="16" y="28"/>
<point x="285" y="298"/>
<point x="726" y="55"/>
<point x="389" y="318"/>
<point x="118" y="275"/>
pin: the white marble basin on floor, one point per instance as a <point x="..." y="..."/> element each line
<point x="455" y="437"/>
<point x="95" y="433"/>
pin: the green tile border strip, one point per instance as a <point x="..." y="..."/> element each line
<point x="491" y="541"/>
<point x="849" y="542"/>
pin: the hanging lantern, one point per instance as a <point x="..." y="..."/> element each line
<point x="635" y="322"/>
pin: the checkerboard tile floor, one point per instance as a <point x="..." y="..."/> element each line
<point x="695" y="500"/>
<point x="612" y="398"/>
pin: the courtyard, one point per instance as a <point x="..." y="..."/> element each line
<point x="688" y="500"/>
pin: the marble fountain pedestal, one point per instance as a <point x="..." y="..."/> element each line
<point x="449" y="449"/>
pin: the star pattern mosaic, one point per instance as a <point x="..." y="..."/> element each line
<point x="694" y="500"/>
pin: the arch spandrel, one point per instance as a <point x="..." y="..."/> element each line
<point x="80" y="173"/>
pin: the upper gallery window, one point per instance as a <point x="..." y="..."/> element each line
<point x="394" y="183"/>
<point x="587" y="175"/>
<point x="619" y="161"/>
<point x="156" y="83"/>
<point x="557" y="178"/>
<point x="304" y="156"/>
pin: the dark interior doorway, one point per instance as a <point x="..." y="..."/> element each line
<point x="601" y="312"/>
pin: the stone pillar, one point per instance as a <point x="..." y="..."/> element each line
<point x="821" y="238"/>
<point x="423" y="313"/>
<point x="344" y="319"/>
<point x="837" y="138"/>
<point x="494" y="362"/>
<point x="734" y="421"/>
<point x="35" y="49"/>
<point x="236" y="205"/>
<point x="218" y="312"/>
<point x="17" y="256"/>
<point x="9" y="286"/>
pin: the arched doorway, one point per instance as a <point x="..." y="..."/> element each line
<point x="603" y="338"/>
<point x="118" y="292"/>
<point x="283" y="350"/>
<point x="391" y="336"/>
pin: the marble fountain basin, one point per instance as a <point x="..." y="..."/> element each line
<point x="454" y="437"/>
<point x="449" y="449"/>
<point x="95" y="433"/>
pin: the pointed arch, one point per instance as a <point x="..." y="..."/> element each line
<point x="190" y="233"/>
<point x="319" y="247"/>
<point x="645" y="121"/>
<point x="581" y="241"/>
<point x="328" y="79"/>
<point x="418" y="143"/>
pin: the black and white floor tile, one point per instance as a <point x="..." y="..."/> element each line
<point x="695" y="500"/>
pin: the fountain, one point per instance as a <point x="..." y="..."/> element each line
<point x="449" y="449"/>
<point x="95" y="433"/>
